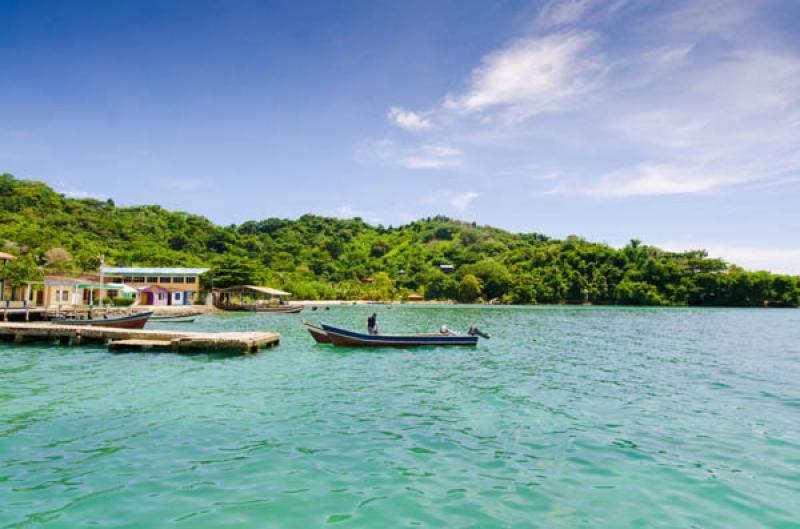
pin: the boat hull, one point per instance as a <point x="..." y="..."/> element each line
<point x="183" y="318"/>
<point x="277" y="309"/>
<point x="133" y="321"/>
<point x="281" y="310"/>
<point x="318" y="333"/>
<point x="345" y="338"/>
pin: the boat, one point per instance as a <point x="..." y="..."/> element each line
<point x="318" y="333"/>
<point x="280" y="309"/>
<point x="181" y="318"/>
<point x="131" y="321"/>
<point x="346" y="338"/>
<point x="254" y="298"/>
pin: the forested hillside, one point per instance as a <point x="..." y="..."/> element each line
<point x="319" y="257"/>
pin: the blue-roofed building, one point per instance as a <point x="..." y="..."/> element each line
<point x="158" y="286"/>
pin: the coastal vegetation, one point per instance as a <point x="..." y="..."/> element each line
<point x="327" y="258"/>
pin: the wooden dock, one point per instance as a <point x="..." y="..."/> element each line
<point x="133" y="339"/>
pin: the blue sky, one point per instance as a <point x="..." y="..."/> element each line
<point x="677" y="123"/>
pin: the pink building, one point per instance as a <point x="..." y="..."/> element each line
<point x="153" y="295"/>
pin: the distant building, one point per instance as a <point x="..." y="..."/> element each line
<point x="447" y="268"/>
<point x="159" y="286"/>
<point x="85" y="289"/>
<point x="4" y="258"/>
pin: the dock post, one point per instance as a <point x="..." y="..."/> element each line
<point x="77" y="339"/>
<point x="27" y="310"/>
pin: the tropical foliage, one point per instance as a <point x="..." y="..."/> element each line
<point x="323" y="258"/>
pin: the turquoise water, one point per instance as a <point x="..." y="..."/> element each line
<point x="568" y="417"/>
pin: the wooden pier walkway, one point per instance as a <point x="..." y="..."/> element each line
<point x="133" y="339"/>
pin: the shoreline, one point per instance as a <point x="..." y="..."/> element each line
<point x="329" y="302"/>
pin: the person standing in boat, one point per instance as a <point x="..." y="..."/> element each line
<point x="372" y="324"/>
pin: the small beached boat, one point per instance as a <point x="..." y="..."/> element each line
<point x="280" y="309"/>
<point x="182" y="318"/>
<point x="345" y="338"/>
<point x="318" y="333"/>
<point x="131" y="321"/>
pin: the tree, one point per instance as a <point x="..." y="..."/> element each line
<point x="328" y="257"/>
<point x="379" y="248"/>
<point x="57" y="259"/>
<point x="638" y="293"/>
<point x="469" y="289"/>
<point x="494" y="277"/>
<point x="230" y="270"/>
<point x="20" y="270"/>
<point x="441" y="286"/>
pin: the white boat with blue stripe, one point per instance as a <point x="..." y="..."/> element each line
<point x="345" y="338"/>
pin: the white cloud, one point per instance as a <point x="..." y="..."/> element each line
<point x="348" y="212"/>
<point x="459" y="201"/>
<point x="562" y="12"/>
<point x="531" y="76"/>
<point x="407" y="119"/>
<point x="70" y="192"/>
<point x="76" y="194"/>
<point x="650" y="179"/>
<point x="425" y="156"/>
<point x="653" y="108"/>
<point x="706" y="17"/>
<point x="433" y="157"/>
<point x="778" y="260"/>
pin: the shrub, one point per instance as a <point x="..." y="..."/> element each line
<point x="123" y="302"/>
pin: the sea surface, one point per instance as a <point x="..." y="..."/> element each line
<point x="569" y="417"/>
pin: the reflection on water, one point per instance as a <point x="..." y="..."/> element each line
<point x="567" y="417"/>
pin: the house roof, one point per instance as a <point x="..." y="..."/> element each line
<point x="153" y="271"/>
<point x="83" y="281"/>
<point x="75" y="283"/>
<point x="6" y="256"/>
<point x="124" y="288"/>
<point x="255" y="288"/>
<point x="152" y="288"/>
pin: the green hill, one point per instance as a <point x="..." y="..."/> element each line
<point x="321" y="258"/>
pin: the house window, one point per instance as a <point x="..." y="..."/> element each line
<point x="160" y="296"/>
<point x="178" y="279"/>
<point x="165" y="280"/>
<point x="138" y="279"/>
<point x="152" y="280"/>
<point x="64" y="295"/>
<point x="191" y="280"/>
<point x="177" y="296"/>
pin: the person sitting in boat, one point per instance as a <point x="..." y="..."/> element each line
<point x="372" y="324"/>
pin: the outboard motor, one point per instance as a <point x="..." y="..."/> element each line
<point x="474" y="331"/>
